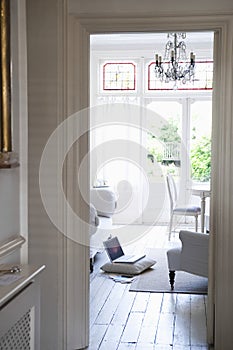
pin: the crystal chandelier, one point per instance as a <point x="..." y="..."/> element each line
<point x="176" y="67"/>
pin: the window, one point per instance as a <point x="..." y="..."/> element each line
<point x="166" y="148"/>
<point x="119" y="76"/>
<point x="203" y="78"/>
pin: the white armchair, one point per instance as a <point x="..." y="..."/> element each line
<point x="94" y="220"/>
<point x="104" y="200"/>
<point x="191" y="256"/>
<point x="103" y="204"/>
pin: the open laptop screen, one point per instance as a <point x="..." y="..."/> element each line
<point x="113" y="248"/>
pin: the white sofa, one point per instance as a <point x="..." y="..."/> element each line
<point x="103" y="204"/>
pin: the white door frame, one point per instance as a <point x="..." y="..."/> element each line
<point x="222" y="152"/>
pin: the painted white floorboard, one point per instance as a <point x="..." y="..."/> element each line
<point x="112" y="337"/>
<point x="150" y="322"/>
<point x="100" y="299"/>
<point x="126" y="346"/>
<point x="140" y="302"/>
<point x="162" y="347"/>
<point x="132" y="327"/>
<point x="144" y="346"/>
<point x="198" y="320"/>
<point x="109" y="308"/>
<point x="165" y="329"/>
<point x="182" y="320"/>
<point x="97" y="335"/>
<point x="124" y="308"/>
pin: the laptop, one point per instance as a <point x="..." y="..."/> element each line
<point x="116" y="254"/>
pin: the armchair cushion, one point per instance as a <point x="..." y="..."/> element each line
<point x="195" y="252"/>
<point x="173" y="256"/>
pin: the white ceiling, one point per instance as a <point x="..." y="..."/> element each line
<point x="147" y="44"/>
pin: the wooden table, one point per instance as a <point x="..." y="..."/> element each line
<point x="202" y="193"/>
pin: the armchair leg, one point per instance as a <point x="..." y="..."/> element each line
<point x="196" y="223"/>
<point x="91" y="265"/>
<point x="172" y="279"/>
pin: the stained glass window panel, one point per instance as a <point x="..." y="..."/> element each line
<point x="203" y="78"/>
<point x="119" y="76"/>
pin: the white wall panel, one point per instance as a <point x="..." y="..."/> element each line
<point x="149" y="7"/>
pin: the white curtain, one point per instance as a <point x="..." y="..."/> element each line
<point x="116" y="154"/>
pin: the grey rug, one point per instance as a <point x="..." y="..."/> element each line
<point x="156" y="279"/>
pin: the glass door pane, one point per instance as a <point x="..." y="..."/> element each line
<point x="163" y="143"/>
<point x="200" y="141"/>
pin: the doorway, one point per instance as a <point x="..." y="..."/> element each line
<point x="179" y="107"/>
<point x="80" y="31"/>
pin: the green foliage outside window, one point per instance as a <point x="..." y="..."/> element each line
<point x="169" y="131"/>
<point x="200" y="153"/>
<point x="201" y="160"/>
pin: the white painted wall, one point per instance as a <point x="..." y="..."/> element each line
<point x="11" y="180"/>
<point x="45" y="242"/>
<point x="150" y="7"/>
<point x="65" y="282"/>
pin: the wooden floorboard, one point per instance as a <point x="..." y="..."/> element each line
<point x="121" y="320"/>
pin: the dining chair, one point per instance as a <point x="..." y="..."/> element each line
<point x="186" y="210"/>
